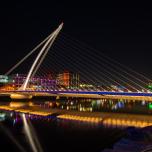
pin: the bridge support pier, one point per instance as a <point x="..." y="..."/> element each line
<point x="20" y="96"/>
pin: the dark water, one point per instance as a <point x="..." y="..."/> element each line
<point x="66" y="135"/>
<point x="57" y="135"/>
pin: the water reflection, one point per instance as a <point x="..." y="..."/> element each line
<point x="109" y="105"/>
<point x="2" y="116"/>
<point x="31" y="135"/>
<point x="62" y="127"/>
<point x="85" y="110"/>
<point x="88" y="105"/>
<point x="13" y="139"/>
<point x="123" y="123"/>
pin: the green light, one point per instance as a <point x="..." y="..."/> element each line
<point x="150" y="86"/>
<point x="150" y="105"/>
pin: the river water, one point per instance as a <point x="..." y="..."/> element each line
<point x="50" y="133"/>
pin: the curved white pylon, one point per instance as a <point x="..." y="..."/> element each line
<point x="54" y="34"/>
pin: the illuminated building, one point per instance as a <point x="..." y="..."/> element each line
<point x="35" y="82"/>
<point x="4" y="79"/>
<point x="67" y="79"/>
<point x="63" y="79"/>
<point x="50" y="82"/>
<point x="6" y="83"/>
<point x="7" y="87"/>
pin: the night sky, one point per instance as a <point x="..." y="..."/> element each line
<point x="124" y="34"/>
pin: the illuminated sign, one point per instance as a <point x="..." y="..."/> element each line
<point x="3" y="79"/>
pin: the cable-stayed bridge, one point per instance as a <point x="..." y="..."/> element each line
<point x="97" y="76"/>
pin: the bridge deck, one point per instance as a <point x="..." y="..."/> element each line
<point x="96" y="95"/>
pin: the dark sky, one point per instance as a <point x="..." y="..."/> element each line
<point x="124" y="34"/>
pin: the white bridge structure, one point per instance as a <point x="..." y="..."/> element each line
<point x="24" y="93"/>
<point x="37" y="62"/>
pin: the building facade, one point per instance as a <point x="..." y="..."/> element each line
<point x="68" y="80"/>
